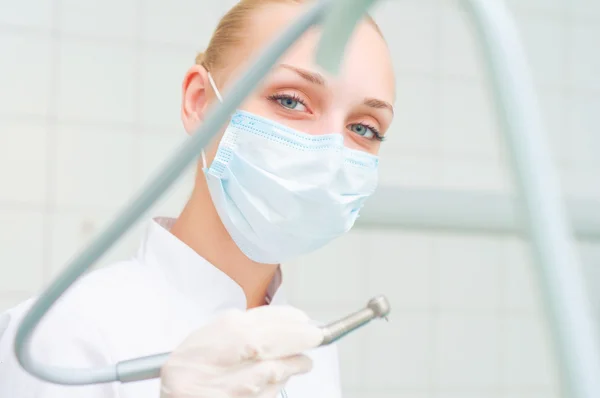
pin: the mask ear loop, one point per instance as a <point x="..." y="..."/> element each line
<point x="214" y="87"/>
<point x="218" y="94"/>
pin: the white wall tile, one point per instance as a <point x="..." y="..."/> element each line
<point x="162" y="73"/>
<point x="406" y="170"/>
<point x="94" y="166"/>
<point x="25" y="80"/>
<point x="468" y="120"/>
<point x="399" y="354"/>
<point x="460" y="55"/>
<point x="352" y="361"/>
<point x="414" y="128"/>
<point x="399" y="267"/>
<point x="27" y="13"/>
<point x="529" y="359"/>
<point x="521" y="290"/>
<point x="23" y="162"/>
<point x="544" y="38"/>
<point x="97" y="82"/>
<point x="73" y="230"/>
<point x="154" y="151"/>
<point x="580" y="183"/>
<point x="91" y="18"/>
<point x="585" y="10"/>
<point x="412" y="31"/>
<point x="442" y="137"/>
<point x="469" y="272"/>
<point x="391" y="393"/>
<point x="11" y="300"/>
<point x="590" y="260"/>
<point x="479" y="174"/>
<point x="182" y="22"/>
<point x="584" y="131"/>
<point x="585" y="59"/>
<point x="548" y="6"/>
<point x="335" y="274"/>
<point x="467" y="352"/>
<point x="487" y="393"/>
<point x="21" y="250"/>
<point x="544" y="393"/>
<point x="554" y="108"/>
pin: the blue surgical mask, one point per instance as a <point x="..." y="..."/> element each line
<point x="281" y="193"/>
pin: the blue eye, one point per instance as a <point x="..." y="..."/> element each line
<point x="364" y="130"/>
<point x="289" y="102"/>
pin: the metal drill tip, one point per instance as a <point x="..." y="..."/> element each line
<point x="380" y="306"/>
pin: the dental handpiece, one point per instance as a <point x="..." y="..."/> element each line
<point x="149" y="367"/>
<point x="377" y="307"/>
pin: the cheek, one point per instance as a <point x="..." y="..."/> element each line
<point x="257" y="106"/>
<point x="352" y="141"/>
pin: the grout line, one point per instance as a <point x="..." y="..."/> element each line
<point x="366" y="256"/>
<point x="437" y="151"/>
<point x="4" y="294"/>
<point x="112" y="40"/>
<point x="556" y="15"/>
<point x="502" y="318"/>
<point x="51" y="142"/>
<point x="568" y="84"/>
<point x="138" y="128"/>
<point x="135" y="126"/>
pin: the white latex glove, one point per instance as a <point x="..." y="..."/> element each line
<point x="241" y="355"/>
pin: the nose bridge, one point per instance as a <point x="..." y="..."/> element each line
<point x="331" y="121"/>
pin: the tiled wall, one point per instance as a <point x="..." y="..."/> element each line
<point x="89" y="108"/>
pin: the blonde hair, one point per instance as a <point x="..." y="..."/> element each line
<point x="232" y="29"/>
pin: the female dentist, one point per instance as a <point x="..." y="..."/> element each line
<point x="287" y="175"/>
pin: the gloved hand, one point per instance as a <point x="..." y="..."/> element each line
<point x="241" y="355"/>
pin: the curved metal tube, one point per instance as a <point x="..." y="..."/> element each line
<point x="558" y="266"/>
<point x="559" y="270"/>
<point x="149" y="366"/>
<point x="537" y="183"/>
<point x="338" y="25"/>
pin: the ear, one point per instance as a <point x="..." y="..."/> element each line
<point x="196" y="97"/>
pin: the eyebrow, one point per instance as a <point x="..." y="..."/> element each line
<point x="378" y="104"/>
<point x="311" y="77"/>
<point x="318" y="79"/>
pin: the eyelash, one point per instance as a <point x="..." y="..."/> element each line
<point x="295" y="97"/>
<point x="277" y="97"/>
<point x="376" y="134"/>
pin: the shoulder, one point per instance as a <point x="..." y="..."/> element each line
<point x="78" y="331"/>
<point x="65" y="337"/>
<point x="98" y="299"/>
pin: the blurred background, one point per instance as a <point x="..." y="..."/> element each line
<point x="89" y="109"/>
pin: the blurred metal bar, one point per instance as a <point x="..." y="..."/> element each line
<point x="466" y="211"/>
<point x="541" y="206"/>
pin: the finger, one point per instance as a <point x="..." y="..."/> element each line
<point x="271" y="391"/>
<point x="271" y="341"/>
<point x="255" y="378"/>
<point x="236" y="337"/>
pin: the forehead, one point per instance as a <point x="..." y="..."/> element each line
<point x="366" y="68"/>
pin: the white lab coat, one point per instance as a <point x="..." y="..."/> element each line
<point x="139" y="307"/>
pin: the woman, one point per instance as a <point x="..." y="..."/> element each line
<point x="287" y="175"/>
